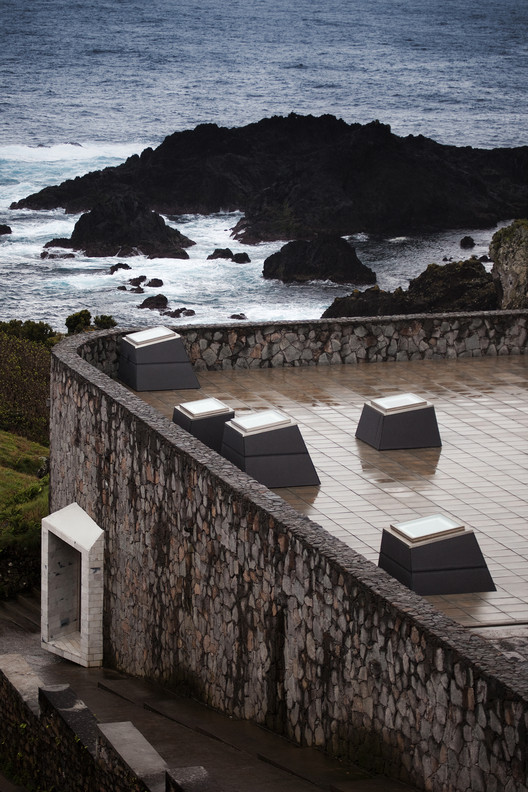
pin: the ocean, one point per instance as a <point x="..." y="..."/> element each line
<point x="86" y="84"/>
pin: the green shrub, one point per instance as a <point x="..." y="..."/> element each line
<point x="104" y="322"/>
<point x="82" y="320"/>
<point x="77" y="322"/>
<point x="24" y="387"/>
<point x="40" y="332"/>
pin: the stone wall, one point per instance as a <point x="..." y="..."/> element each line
<point x="324" y="342"/>
<point x="213" y="580"/>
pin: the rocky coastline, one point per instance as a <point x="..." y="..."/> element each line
<point x="310" y="182"/>
<point x="298" y="176"/>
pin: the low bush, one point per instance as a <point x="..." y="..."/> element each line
<point x="40" y="332"/>
<point x="77" y="322"/>
<point x="104" y="322"/>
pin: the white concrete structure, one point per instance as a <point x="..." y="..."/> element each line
<point x="72" y="586"/>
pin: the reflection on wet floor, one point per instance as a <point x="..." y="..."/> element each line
<point x="479" y="476"/>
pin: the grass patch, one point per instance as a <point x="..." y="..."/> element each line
<point x="23" y="496"/>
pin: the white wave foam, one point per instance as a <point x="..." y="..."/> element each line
<point x="71" y="152"/>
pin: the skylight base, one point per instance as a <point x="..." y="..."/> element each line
<point x="413" y="425"/>
<point x="274" y="457"/>
<point x="448" y="563"/>
<point x="155" y="364"/>
<point x="208" y="428"/>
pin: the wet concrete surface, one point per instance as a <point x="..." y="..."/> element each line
<point x="238" y="756"/>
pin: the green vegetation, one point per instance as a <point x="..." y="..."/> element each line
<point x="24" y="387"/>
<point x="77" y="322"/>
<point x="40" y="332"/>
<point x="508" y="233"/>
<point x="25" y="358"/>
<point x="104" y="322"/>
<point x="82" y="320"/>
<point x="23" y="495"/>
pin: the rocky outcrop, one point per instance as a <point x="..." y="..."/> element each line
<point x="456" y="286"/>
<point x="124" y="226"/>
<point x="5" y="229"/>
<point x="509" y="253"/>
<point x="325" y="258"/>
<point x="298" y="176"/>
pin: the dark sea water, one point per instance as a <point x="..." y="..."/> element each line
<point x="86" y="84"/>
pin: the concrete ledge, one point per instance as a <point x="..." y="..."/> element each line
<point x="74" y="713"/>
<point x="190" y="779"/>
<point x="22" y="677"/>
<point x="134" y="749"/>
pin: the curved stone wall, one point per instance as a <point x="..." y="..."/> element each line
<point x="324" y="342"/>
<point x="213" y="580"/>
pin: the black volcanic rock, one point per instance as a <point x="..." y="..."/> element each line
<point x="240" y="258"/>
<point x="220" y="253"/>
<point x="119" y="266"/>
<point x="138" y="280"/>
<point x="324" y="258"/>
<point x="125" y="226"/>
<point x="371" y="302"/>
<point x="158" y="302"/>
<point x="179" y="312"/>
<point x="452" y="287"/>
<point x="297" y="176"/>
<point x="5" y="229"/>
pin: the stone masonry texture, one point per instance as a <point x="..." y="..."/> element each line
<point x="214" y="581"/>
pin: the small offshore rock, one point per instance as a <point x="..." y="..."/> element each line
<point x="467" y="242"/>
<point x="5" y="229"/>
<point x="223" y="253"/>
<point x="241" y="258"/>
<point x="121" y="288"/>
<point x="137" y="290"/>
<point x="327" y="257"/>
<point x="137" y="281"/>
<point x="179" y="312"/>
<point x="119" y="266"/>
<point x="158" y="302"/>
<point x="239" y="316"/>
<point x="155" y="283"/>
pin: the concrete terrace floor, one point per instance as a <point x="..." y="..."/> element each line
<point x="479" y="476"/>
